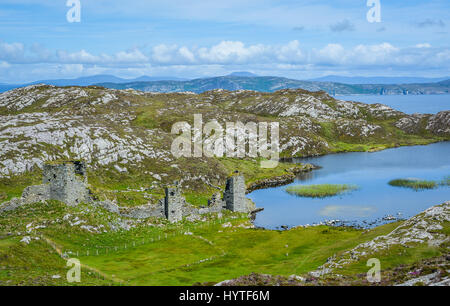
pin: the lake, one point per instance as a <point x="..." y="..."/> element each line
<point x="409" y="104"/>
<point x="375" y="198"/>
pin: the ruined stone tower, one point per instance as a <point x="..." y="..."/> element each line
<point x="66" y="182"/>
<point x="173" y="203"/>
<point x="234" y="195"/>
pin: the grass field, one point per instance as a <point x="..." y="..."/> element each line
<point x="216" y="253"/>
<point x="199" y="252"/>
<point x="188" y="253"/>
<point x="319" y="191"/>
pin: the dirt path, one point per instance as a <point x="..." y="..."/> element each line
<point x="84" y="266"/>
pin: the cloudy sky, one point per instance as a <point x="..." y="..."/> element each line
<point x="197" y="38"/>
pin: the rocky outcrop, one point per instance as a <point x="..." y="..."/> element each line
<point x="410" y="124"/>
<point x="439" y="124"/>
<point x="124" y="130"/>
<point x="423" y="228"/>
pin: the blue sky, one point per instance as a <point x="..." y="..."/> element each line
<point x="197" y="38"/>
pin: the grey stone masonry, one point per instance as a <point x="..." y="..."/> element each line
<point x="173" y="203"/>
<point x="216" y="204"/>
<point x="67" y="182"/>
<point x="63" y="181"/>
<point x="234" y="195"/>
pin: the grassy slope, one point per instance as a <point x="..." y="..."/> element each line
<point x="234" y="250"/>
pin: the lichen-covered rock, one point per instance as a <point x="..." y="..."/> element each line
<point x="357" y="128"/>
<point x="410" y="124"/>
<point x="124" y="130"/>
<point x="12" y="205"/>
<point x="423" y="228"/>
<point x="439" y="124"/>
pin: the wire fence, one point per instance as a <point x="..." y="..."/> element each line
<point x="169" y="232"/>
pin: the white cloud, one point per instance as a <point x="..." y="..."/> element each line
<point x="81" y="56"/>
<point x="187" y="54"/>
<point x="11" y="51"/>
<point x="222" y="57"/>
<point x="332" y="53"/>
<point x="424" y="45"/>
<point x="290" y="52"/>
<point x="4" y="65"/>
<point x="231" y="52"/>
<point x="164" y="54"/>
<point x="132" y="56"/>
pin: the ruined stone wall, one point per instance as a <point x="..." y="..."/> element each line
<point x="146" y="211"/>
<point x="67" y="182"/>
<point x="216" y="204"/>
<point x="234" y="195"/>
<point x="173" y="204"/>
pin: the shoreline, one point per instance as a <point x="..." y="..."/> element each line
<point x="373" y="150"/>
<point x="290" y="178"/>
<point x="282" y="179"/>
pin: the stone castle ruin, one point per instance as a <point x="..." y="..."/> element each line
<point x="173" y="203"/>
<point x="63" y="181"/>
<point x="234" y="195"/>
<point x="67" y="182"/>
<point x="234" y="199"/>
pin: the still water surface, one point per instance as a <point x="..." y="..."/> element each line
<point x="373" y="200"/>
<point x="409" y="104"/>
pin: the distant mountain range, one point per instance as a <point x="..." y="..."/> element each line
<point x="377" y="80"/>
<point x="271" y="84"/>
<point x="249" y="81"/>
<point x="90" y="80"/>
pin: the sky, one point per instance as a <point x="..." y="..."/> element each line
<point x="200" y="38"/>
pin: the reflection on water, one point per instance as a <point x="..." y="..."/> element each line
<point x="306" y="176"/>
<point x="336" y="211"/>
<point x="375" y="198"/>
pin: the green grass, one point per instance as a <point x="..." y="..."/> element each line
<point x="213" y="253"/>
<point x="10" y="188"/>
<point x="36" y="264"/>
<point x="413" y="184"/>
<point x="235" y="251"/>
<point x="394" y="257"/>
<point x="319" y="191"/>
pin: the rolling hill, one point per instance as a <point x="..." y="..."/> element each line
<point x="272" y="84"/>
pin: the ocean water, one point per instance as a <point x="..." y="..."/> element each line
<point x="409" y="104"/>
